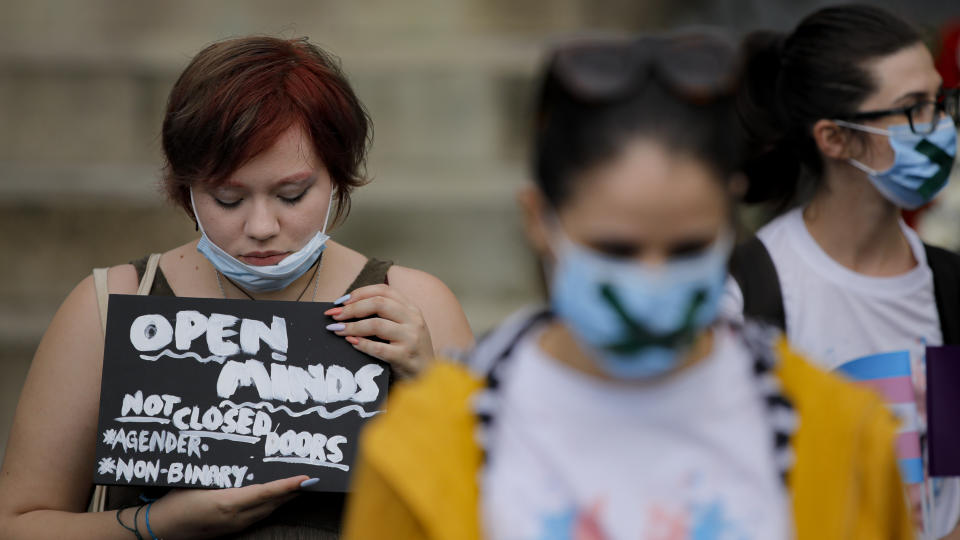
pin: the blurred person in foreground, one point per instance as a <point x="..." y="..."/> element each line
<point x="628" y="409"/>
<point x="849" y="125"/>
<point x="264" y="140"/>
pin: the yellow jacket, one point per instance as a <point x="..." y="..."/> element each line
<point x="417" y="469"/>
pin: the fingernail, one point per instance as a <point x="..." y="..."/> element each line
<point x="352" y="340"/>
<point x="341" y="300"/>
<point x="333" y="312"/>
<point x="310" y="482"/>
<point x="336" y="327"/>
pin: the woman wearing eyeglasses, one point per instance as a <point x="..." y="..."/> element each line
<point x="849" y="125"/>
<point x="628" y="409"/>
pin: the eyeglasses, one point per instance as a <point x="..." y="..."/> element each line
<point x="922" y="116"/>
<point x="699" y="67"/>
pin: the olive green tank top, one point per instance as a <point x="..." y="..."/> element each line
<point x="309" y="516"/>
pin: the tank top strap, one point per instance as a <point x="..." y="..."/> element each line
<point x="160" y="286"/>
<point x="372" y="273"/>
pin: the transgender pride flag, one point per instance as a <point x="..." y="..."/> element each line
<point x="889" y="375"/>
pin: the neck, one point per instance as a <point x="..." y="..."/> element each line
<point x="558" y="342"/>
<point x="856" y="225"/>
<point x="301" y="289"/>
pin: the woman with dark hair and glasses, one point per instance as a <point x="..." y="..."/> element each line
<point x="628" y="409"/>
<point x="848" y="125"/>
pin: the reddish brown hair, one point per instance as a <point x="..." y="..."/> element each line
<point x="237" y="96"/>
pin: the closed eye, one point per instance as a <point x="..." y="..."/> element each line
<point x="294" y="199"/>
<point x="228" y="204"/>
<point x="620" y="250"/>
<point x="690" y="248"/>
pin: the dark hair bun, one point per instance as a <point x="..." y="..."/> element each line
<point x="818" y="71"/>
<point x="769" y="164"/>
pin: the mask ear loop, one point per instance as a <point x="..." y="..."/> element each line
<point x="196" y="217"/>
<point x="557" y="238"/>
<point x="866" y="129"/>
<point x="326" y="218"/>
<point x="861" y="127"/>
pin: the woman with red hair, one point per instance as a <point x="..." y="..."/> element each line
<point x="264" y="141"/>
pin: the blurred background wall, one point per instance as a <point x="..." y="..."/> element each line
<point x="447" y="82"/>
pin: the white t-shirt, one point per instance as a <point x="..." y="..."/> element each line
<point x="835" y="315"/>
<point x="691" y="457"/>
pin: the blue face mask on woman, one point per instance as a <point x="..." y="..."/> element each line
<point x="264" y="278"/>
<point x="637" y="320"/>
<point x="921" y="164"/>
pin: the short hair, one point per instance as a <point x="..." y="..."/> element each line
<point x="237" y="96"/>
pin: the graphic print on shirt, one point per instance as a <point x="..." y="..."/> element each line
<point x="706" y="519"/>
<point x="699" y="522"/>
<point x="574" y="524"/>
<point x="889" y="375"/>
<point x="836" y="316"/>
<point x="571" y="457"/>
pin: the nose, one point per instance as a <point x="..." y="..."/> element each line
<point x="262" y="223"/>
<point x="653" y="258"/>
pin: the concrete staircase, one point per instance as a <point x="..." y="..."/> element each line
<point x="448" y="83"/>
<point x="82" y="91"/>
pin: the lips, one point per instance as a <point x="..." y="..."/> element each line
<point x="263" y="258"/>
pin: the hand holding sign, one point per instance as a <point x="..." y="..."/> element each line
<point x="387" y="314"/>
<point x="204" y="513"/>
<point x="199" y="392"/>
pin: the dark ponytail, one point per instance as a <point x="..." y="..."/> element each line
<point x="792" y="81"/>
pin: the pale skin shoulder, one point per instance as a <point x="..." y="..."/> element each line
<point x="47" y="472"/>
<point x="415" y="315"/>
<point x="441" y="309"/>
<point x="47" y="469"/>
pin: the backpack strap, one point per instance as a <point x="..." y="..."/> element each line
<point x="753" y="269"/>
<point x="103" y="293"/>
<point x="98" y="496"/>
<point x="100" y="285"/>
<point x="146" y="281"/>
<point x="945" y="266"/>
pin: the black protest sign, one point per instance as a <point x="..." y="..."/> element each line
<point x="209" y="393"/>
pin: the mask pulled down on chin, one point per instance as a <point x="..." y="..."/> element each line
<point x="264" y="278"/>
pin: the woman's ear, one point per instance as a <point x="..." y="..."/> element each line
<point x="832" y="140"/>
<point x="737" y="186"/>
<point x="533" y="207"/>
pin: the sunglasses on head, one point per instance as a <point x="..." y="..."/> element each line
<point x="698" y="67"/>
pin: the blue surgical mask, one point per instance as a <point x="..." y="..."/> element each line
<point x="921" y="164"/>
<point x="264" y="278"/>
<point x="637" y="320"/>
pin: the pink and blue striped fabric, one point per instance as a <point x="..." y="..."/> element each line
<point x="889" y="375"/>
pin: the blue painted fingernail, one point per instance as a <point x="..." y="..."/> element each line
<point x="310" y="482"/>
<point x="341" y="300"/>
<point x="336" y="327"/>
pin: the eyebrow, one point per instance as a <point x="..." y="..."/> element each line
<point x="917" y="95"/>
<point x="298" y="178"/>
<point x="295" y="178"/>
